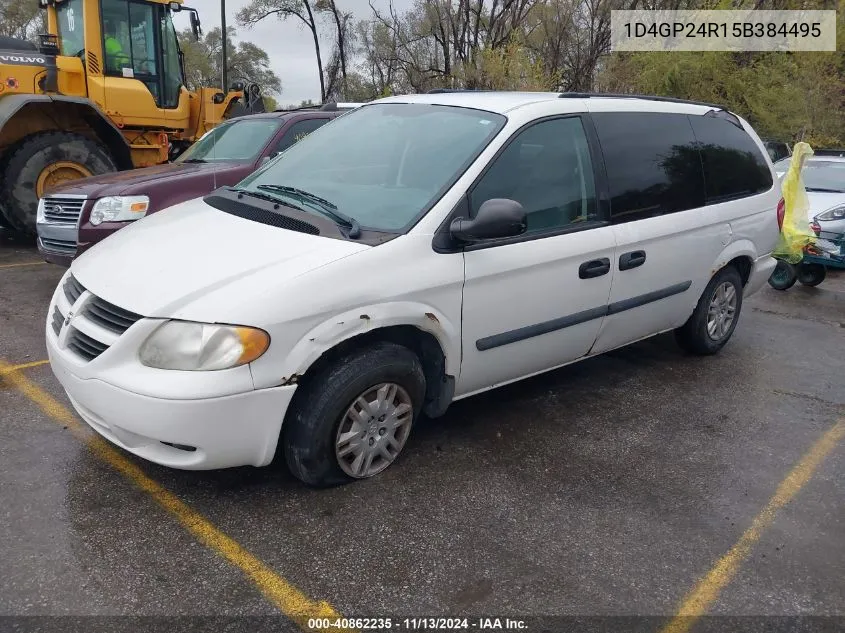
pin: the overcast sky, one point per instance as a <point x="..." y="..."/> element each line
<point x="288" y="43"/>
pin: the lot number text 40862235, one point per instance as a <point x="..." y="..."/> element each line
<point x="417" y="624"/>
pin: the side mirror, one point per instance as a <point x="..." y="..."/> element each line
<point x="269" y="157"/>
<point x="496" y="218"/>
<point x="196" y="27"/>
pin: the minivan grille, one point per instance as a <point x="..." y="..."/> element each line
<point x="96" y="311"/>
<point x="85" y="346"/>
<point x="73" y="289"/>
<point x="57" y="321"/>
<point x="62" y="210"/>
<point x="110" y="316"/>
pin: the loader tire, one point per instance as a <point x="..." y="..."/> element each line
<point x="42" y="161"/>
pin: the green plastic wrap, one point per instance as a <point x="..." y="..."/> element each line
<point x="795" y="235"/>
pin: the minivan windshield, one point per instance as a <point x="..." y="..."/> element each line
<point x="382" y="165"/>
<point x="240" y="140"/>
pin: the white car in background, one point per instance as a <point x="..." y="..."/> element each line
<point x="824" y="181"/>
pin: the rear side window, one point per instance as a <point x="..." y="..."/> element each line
<point x="653" y="164"/>
<point x="734" y="167"/>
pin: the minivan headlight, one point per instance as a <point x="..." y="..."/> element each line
<point x="836" y="213"/>
<point x="202" y="346"/>
<point x="119" y="209"/>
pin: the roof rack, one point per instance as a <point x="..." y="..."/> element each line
<point x="437" y="91"/>
<point x="611" y="95"/>
<point x="332" y="106"/>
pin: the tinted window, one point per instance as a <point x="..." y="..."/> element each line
<point x="547" y="169"/>
<point x="298" y="131"/>
<point x="653" y="165"/>
<point x="240" y="140"/>
<point x="734" y="166"/>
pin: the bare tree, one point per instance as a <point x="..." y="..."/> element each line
<point x="258" y="10"/>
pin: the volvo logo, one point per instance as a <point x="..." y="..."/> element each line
<point x="68" y="317"/>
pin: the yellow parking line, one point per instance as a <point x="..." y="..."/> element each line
<point x="705" y="593"/>
<point x="11" y="368"/>
<point x="23" y="264"/>
<point x="287" y="598"/>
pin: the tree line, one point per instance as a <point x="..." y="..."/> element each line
<point x="557" y="45"/>
<point x="563" y="45"/>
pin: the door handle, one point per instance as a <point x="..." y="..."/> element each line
<point x="631" y="260"/>
<point x="594" y="268"/>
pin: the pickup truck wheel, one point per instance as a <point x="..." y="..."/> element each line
<point x="42" y="161"/>
<point x="352" y="419"/>
<point x="715" y="316"/>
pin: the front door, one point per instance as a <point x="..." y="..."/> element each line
<point x="537" y="301"/>
<point x="141" y="64"/>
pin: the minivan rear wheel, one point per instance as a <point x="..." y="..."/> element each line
<point x="715" y="316"/>
<point x="352" y="418"/>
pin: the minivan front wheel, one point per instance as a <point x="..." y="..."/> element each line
<point x="716" y="314"/>
<point x="353" y="417"/>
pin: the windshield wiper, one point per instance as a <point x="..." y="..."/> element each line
<point x="823" y="190"/>
<point x="266" y="198"/>
<point x="321" y="204"/>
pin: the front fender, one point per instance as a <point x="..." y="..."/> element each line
<point x="368" y="318"/>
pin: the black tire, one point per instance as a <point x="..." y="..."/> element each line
<point x="310" y="427"/>
<point x="783" y="277"/>
<point x="693" y="336"/>
<point x="25" y="162"/>
<point x="811" y="274"/>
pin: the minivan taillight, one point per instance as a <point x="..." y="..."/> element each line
<point x="781" y="213"/>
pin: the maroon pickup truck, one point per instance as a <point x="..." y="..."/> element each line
<point x="74" y="217"/>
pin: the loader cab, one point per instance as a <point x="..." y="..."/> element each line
<point x="132" y="59"/>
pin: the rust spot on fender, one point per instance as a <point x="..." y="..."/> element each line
<point x="290" y="381"/>
<point x="365" y="317"/>
<point x="432" y="317"/>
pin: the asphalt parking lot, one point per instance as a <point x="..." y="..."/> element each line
<point x="641" y="483"/>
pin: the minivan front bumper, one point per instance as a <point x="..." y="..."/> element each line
<point x="187" y="420"/>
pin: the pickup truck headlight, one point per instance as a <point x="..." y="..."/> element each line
<point x="202" y="346"/>
<point x="119" y="209"/>
<point x="39" y="215"/>
<point x="836" y="213"/>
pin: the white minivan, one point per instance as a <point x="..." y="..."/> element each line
<point x="415" y="251"/>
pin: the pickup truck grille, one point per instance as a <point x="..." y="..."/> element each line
<point x="62" y="210"/>
<point x="65" y="247"/>
<point x="97" y="311"/>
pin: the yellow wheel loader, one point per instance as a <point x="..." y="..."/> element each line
<point x="104" y="91"/>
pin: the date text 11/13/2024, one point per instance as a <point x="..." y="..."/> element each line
<point x="416" y="624"/>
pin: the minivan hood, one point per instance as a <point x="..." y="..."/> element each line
<point x="158" y="266"/>
<point x="127" y="182"/>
